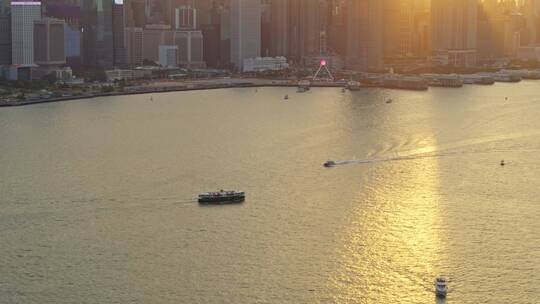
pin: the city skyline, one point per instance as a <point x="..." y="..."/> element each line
<point x="361" y="35"/>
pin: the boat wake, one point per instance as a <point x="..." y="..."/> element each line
<point x="443" y="150"/>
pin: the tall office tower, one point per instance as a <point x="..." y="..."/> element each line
<point x="97" y="34"/>
<point x="337" y="26"/>
<point x="266" y="28"/>
<point x="23" y="15"/>
<point x="188" y="39"/>
<point x="364" y="34"/>
<point x="211" y="31"/>
<point x="5" y="38"/>
<point x="4" y="6"/>
<point x="225" y="35"/>
<point x="155" y="35"/>
<point x="70" y="12"/>
<point x="454" y="30"/>
<point x="49" y="40"/>
<point x="190" y="48"/>
<point x="279" y="21"/>
<point x="245" y="31"/>
<point x="491" y="30"/>
<point x="531" y="12"/>
<point x="119" y="26"/>
<point x="134" y="13"/>
<point x="158" y="12"/>
<point x="134" y="46"/>
<point x="307" y="23"/>
<point x="185" y="17"/>
<point x="398" y="28"/>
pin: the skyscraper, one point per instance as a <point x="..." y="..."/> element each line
<point x="49" y="42"/>
<point x="5" y="38"/>
<point x="454" y="30"/>
<point x="97" y="34"/>
<point x="23" y="15"/>
<point x="245" y="31"/>
<point x="134" y="46"/>
<point x="279" y="22"/>
<point x="364" y="34"/>
<point x="119" y="26"/>
<point x="70" y="12"/>
<point x="306" y="24"/>
<point x="398" y="27"/>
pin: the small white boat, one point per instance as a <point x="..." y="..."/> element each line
<point x="441" y="287"/>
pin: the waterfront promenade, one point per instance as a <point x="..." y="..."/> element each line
<point x="163" y="85"/>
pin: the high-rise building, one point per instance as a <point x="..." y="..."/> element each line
<point x="279" y="33"/>
<point x="185" y="17"/>
<point x="97" y="34"/>
<point x="398" y="27"/>
<point x="23" y="15"/>
<point x="190" y="48"/>
<point x="70" y="12"/>
<point x="454" y="30"/>
<point x="49" y="40"/>
<point x="245" y="31"/>
<point x="364" y="34"/>
<point x="119" y="26"/>
<point x="5" y="38"/>
<point x="337" y="27"/>
<point x="225" y="35"/>
<point x="158" y="12"/>
<point x="4" y="6"/>
<point x="307" y="24"/>
<point x="155" y="35"/>
<point x="135" y="13"/>
<point x="134" y="46"/>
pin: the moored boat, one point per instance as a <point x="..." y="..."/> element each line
<point x="353" y="85"/>
<point x="222" y="197"/>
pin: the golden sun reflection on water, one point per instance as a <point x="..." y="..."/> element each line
<point x="391" y="249"/>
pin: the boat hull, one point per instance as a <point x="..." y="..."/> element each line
<point x="222" y="200"/>
<point x="441" y="294"/>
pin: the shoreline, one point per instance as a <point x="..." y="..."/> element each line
<point x="194" y="86"/>
<point x="156" y="90"/>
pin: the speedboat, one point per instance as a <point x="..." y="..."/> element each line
<point x="222" y="197"/>
<point x="441" y="287"/>
<point x="329" y="164"/>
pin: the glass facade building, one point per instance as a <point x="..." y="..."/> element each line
<point x="97" y="34"/>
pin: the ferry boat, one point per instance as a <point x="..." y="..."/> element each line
<point x="478" y="79"/>
<point x="524" y="74"/>
<point x="222" y="197"/>
<point x="441" y="80"/>
<point x="505" y="77"/>
<point x="441" y="287"/>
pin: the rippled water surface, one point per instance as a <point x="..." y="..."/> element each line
<point x="97" y="202"/>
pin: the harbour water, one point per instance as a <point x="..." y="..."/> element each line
<point x="97" y="197"/>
